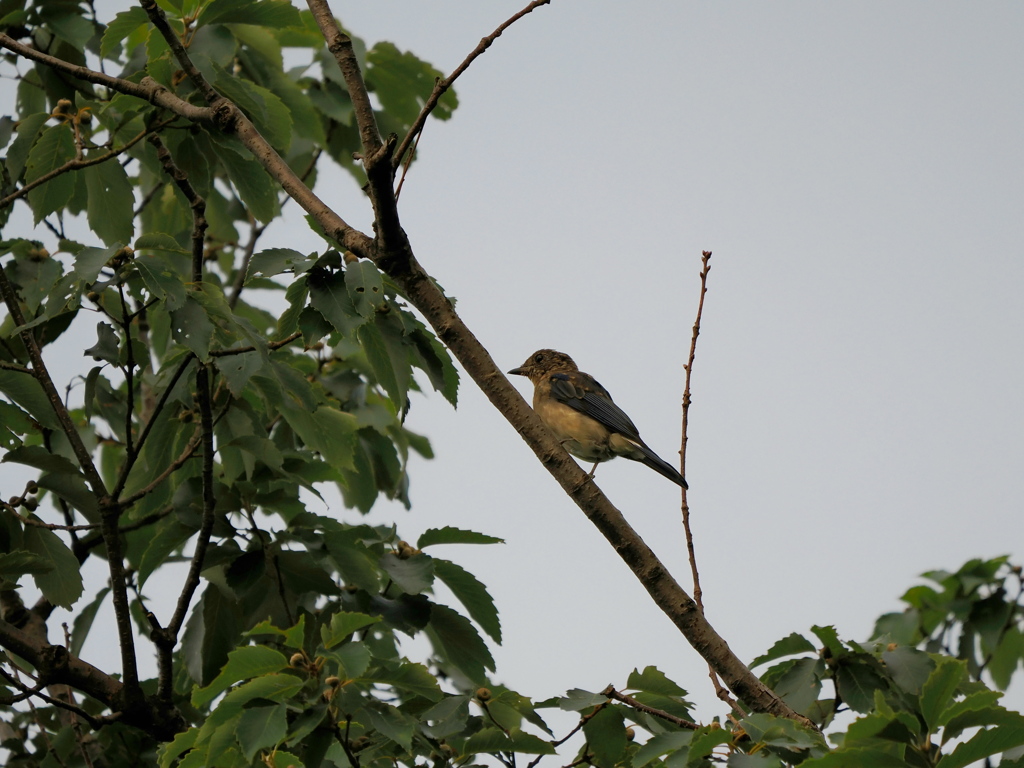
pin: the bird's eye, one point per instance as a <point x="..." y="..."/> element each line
<point x="538" y="358"/>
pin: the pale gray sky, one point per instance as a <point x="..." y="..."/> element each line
<point x="858" y="171"/>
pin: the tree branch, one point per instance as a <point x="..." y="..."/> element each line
<point x="340" y="46"/>
<point x="147" y="89"/>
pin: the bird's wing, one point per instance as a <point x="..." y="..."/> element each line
<point x="583" y="393"/>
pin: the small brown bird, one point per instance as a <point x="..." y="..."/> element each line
<point x="582" y="415"/>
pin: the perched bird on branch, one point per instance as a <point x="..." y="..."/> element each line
<point x="582" y="415"/>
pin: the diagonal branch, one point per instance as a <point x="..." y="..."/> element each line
<point x="441" y="86"/>
<point x="340" y="45"/>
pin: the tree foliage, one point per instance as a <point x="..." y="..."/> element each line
<point x="227" y="384"/>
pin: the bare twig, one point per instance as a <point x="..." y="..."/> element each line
<point x="705" y="268"/>
<point x="443" y="85"/>
<point x="271" y="346"/>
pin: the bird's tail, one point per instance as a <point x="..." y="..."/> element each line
<point x="662" y="467"/>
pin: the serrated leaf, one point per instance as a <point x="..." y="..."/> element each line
<point x="21" y="562"/>
<point x="788" y="646"/>
<point x="106" y="346"/>
<point x="451" y="535"/>
<point x="255" y="188"/>
<point x="191" y="327"/>
<point x="252" y="661"/>
<point x="386" y="369"/>
<point x="89" y="261"/>
<point x="343" y="624"/>
<point x="271" y="117"/>
<point x="661" y="744"/>
<point x="122" y="25"/>
<point x="984" y="743"/>
<point x="29" y="129"/>
<point x="413" y="575"/>
<point x="28" y="393"/>
<point x="274" y="261"/>
<point x="938" y="690"/>
<point x="110" y="207"/>
<point x="412" y="678"/>
<point x="472" y="594"/>
<point x="653" y="680"/>
<point x="606" y="735"/>
<point x="162" y="280"/>
<point x="365" y="287"/>
<point x="493" y="740"/>
<point x="63" y="585"/>
<point x="392" y="723"/>
<point x="54" y="148"/>
<point x="83" y="622"/>
<point x="261" y="728"/>
<point x="329" y="297"/>
<point x="268" y="13"/>
<point x="460" y="643"/>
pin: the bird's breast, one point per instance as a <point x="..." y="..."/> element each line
<point x="579" y="434"/>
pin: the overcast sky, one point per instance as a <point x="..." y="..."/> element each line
<point x="858" y="171"/>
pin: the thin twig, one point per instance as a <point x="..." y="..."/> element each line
<point x="705" y="268"/>
<point x="639" y="706"/>
<point x="271" y="346"/>
<point x="131" y="459"/>
<point x="443" y="85"/>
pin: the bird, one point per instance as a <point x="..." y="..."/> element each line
<point x="581" y="414"/>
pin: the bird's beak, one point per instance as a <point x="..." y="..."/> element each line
<point x="518" y="372"/>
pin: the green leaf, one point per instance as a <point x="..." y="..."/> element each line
<point x="909" y="667"/>
<point x="413" y="574"/>
<point x="653" y="680"/>
<point x="55" y="147"/>
<point x="89" y="261"/>
<point x="123" y="24"/>
<point x="274" y="261"/>
<point x="365" y="287"/>
<point x="661" y="744"/>
<point x="412" y="678"/>
<point x="606" y="735"/>
<point x="984" y="744"/>
<point x="266" y="13"/>
<point x="403" y="82"/>
<point x="329" y="297"/>
<point x="110" y="207"/>
<point x="271" y="117"/>
<point x="800" y="685"/>
<point x="261" y="728"/>
<point x="63" y="585"/>
<point x="84" y="620"/>
<point x="252" y="661"/>
<point x="939" y="689"/>
<point x="106" y="348"/>
<point x="28" y="393"/>
<point x="191" y="327"/>
<point x="788" y="646"/>
<point x="858" y="681"/>
<point x="457" y="639"/>
<point x="493" y="740"/>
<point x="388" y="371"/>
<point x="705" y="740"/>
<point x="830" y="639"/>
<point x="860" y="757"/>
<point x="294" y="637"/>
<point x="393" y="723"/>
<point x="255" y="188"/>
<point x="29" y="129"/>
<point x="343" y="624"/>
<point x="20" y="562"/>
<point x="472" y="594"/>
<point x="975" y="702"/>
<point x="452" y="535"/>
<point x="328" y="431"/>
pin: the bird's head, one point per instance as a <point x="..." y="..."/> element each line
<point x="544" y="362"/>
